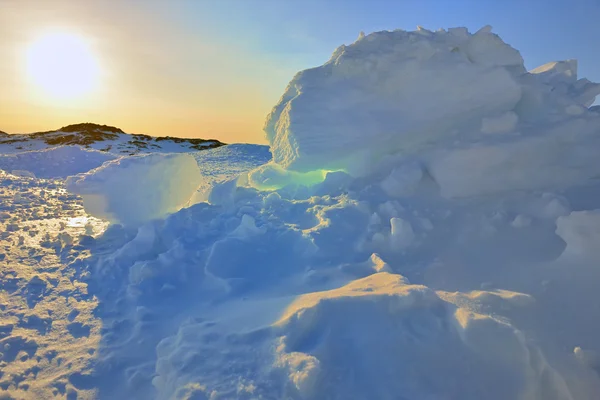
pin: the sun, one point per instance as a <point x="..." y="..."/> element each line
<point x="62" y="65"/>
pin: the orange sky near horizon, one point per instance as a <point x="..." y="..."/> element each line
<point x="156" y="76"/>
<point x="215" y="68"/>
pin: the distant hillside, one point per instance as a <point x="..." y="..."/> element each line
<point x="103" y="138"/>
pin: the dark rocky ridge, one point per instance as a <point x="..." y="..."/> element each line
<point x="90" y="127"/>
<point x="88" y="134"/>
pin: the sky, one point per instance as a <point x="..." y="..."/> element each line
<point x="215" y="68"/>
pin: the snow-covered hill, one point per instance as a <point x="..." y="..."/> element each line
<point x="103" y="138"/>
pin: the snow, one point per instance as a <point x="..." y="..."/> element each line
<point x="57" y="162"/>
<point x="428" y="227"/>
<point x="581" y="232"/>
<point x="558" y="156"/>
<point x="137" y="189"/>
<point x="557" y="71"/>
<point x="401" y="90"/>
<point x="399" y="331"/>
<point x="101" y="138"/>
<point x="401" y="234"/>
<point x="410" y="94"/>
<point x="501" y="124"/>
<point x="226" y="163"/>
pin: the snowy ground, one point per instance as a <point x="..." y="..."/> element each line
<point x="452" y="255"/>
<point x="48" y="330"/>
<point x="51" y="325"/>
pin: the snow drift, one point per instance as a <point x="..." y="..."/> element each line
<point x="133" y="190"/>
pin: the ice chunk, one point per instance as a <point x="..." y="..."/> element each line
<point x="557" y="71"/>
<point x="485" y="29"/>
<point x="397" y="95"/>
<point x="584" y="92"/>
<point x="387" y="94"/>
<point x="133" y="190"/>
<point x="562" y="77"/>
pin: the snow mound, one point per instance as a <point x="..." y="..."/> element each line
<point x="404" y="94"/>
<point x="377" y="337"/>
<point x="380" y="336"/>
<point x="133" y="190"/>
<point x="56" y="162"/>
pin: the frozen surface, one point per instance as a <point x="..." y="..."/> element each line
<point x="56" y="162"/>
<point x="454" y="256"/>
<point x="137" y="189"/>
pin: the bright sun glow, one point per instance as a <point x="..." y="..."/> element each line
<point x="62" y="65"/>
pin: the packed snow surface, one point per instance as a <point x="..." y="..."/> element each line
<point x="428" y="228"/>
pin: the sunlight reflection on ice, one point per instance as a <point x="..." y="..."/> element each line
<point x="94" y="226"/>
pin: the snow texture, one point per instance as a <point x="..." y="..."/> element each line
<point x="428" y="228"/>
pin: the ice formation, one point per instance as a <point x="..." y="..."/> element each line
<point x="428" y="229"/>
<point x="136" y="189"/>
<point x="432" y="156"/>
<point x="407" y="94"/>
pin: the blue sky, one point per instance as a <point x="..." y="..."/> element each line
<point x="214" y="68"/>
<point x="309" y="30"/>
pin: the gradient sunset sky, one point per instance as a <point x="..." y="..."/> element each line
<point x="214" y="68"/>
